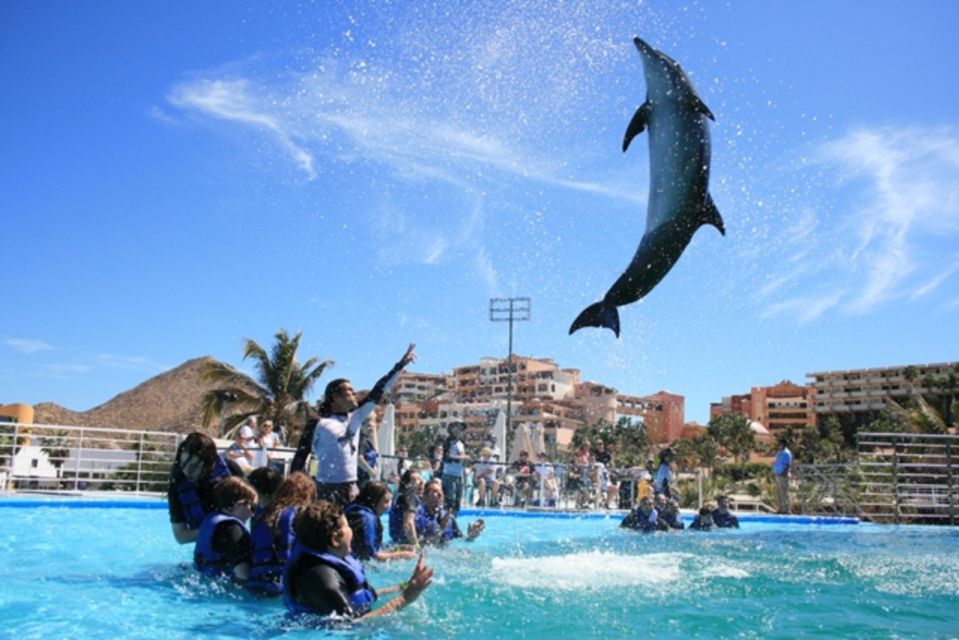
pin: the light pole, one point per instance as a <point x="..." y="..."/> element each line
<point x="509" y="310"/>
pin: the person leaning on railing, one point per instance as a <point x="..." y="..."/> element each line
<point x="196" y="471"/>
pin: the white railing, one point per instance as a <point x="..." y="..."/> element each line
<point x="74" y="458"/>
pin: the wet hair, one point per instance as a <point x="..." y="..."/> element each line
<point x="372" y="493"/>
<point x="326" y="407"/>
<point x="198" y="444"/>
<point x="406" y="480"/>
<point x="265" y="480"/>
<point x="315" y="524"/>
<point x="229" y="491"/>
<point x="297" y="490"/>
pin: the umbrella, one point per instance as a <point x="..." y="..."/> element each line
<point x="385" y="435"/>
<point x="521" y="442"/>
<point x="538" y="439"/>
<point x="499" y="433"/>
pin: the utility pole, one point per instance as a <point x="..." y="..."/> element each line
<point x="509" y="310"/>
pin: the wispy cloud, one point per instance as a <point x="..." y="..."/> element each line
<point x="234" y="101"/>
<point x="133" y="363"/>
<point x="895" y="235"/>
<point x="27" y="345"/>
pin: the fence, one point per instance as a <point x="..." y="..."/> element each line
<point x="74" y="458"/>
<point x="908" y="478"/>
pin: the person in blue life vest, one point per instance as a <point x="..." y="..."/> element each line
<point x="337" y="432"/>
<point x="668" y="510"/>
<point x="197" y="468"/>
<point x="406" y="504"/>
<point x="643" y="518"/>
<point x="435" y="524"/>
<point x="272" y="533"/>
<point x="323" y="578"/>
<point x="223" y="543"/>
<point x="704" y="520"/>
<point x="364" y="515"/>
<point x="722" y="517"/>
<point x="265" y="480"/>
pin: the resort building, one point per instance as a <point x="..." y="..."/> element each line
<point x="543" y="394"/>
<point x="781" y="406"/>
<point x="867" y="390"/>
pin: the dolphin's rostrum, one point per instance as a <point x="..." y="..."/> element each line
<point x="679" y="201"/>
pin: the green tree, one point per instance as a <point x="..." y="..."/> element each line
<point x="57" y="447"/>
<point x="627" y="440"/>
<point x="420" y="441"/>
<point x="734" y="434"/>
<point x="281" y="386"/>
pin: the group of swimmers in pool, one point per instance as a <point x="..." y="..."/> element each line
<point x="308" y="551"/>
<point x="308" y="538"/>
<point x="662" y="514"/>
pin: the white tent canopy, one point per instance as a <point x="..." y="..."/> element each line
<point x="385" y="437"/>
<point x="521" y="442"/>
<point x="499" y="433"/>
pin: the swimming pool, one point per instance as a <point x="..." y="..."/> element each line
<point x="101" y="572"/>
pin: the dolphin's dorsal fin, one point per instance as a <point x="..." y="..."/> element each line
<point x="709" y="214"/>
<point x="638" y="124"/>
<point x="700" y="107"/>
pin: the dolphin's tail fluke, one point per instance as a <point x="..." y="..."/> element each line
<point x="602" y="314"/>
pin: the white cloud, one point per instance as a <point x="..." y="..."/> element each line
<point x="896" y="230"/>
<point x="234" y="101"/>
<point x="133" y="363"/>
<point x="27" y="345"/>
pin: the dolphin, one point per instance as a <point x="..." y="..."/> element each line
<point x="679" y="201"/>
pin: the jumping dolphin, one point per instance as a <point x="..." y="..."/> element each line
<point x="679" y="201"/>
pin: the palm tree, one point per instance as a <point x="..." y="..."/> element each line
<point x="280" y="388"/>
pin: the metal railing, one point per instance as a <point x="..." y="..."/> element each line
<point x="827" y="489"/>
<point x="75" y="458"/>
<point x="906" y="477"/>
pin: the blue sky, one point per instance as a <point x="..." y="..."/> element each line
<point x="179" y="176"/>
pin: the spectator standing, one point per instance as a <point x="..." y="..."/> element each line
<point x="454" y="460"/>
<point x="781" y="468"/>
<point x="336" y="439"/>
<point x="664" y="474"/>
<point x="266" y="439"/>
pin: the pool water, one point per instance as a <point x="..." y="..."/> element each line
<point x="116" y="572"/>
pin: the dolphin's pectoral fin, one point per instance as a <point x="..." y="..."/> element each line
<point x="700" y="107"/>
<point x="709" y="214"/>
<point x="600" y="314"/>
<point x="638" y="124"/>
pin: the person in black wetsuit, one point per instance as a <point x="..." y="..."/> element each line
<point x="223" y="543"/>
<point x="323" y="577"/>
<point x="196" y="471"/>
<point x="722" y="517"/>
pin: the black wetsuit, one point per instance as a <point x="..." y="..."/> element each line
<point x="320" y="588"/>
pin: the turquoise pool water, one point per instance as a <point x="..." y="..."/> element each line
<point x="101" y="572"/>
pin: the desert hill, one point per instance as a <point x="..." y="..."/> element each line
<point x="171" y="401"/>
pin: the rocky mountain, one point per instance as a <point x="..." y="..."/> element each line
<point x="171" y="401"/>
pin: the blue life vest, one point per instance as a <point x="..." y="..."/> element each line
<point x="428" y="526"/>
<point x="189" y="494"/>
<point x="271" y="553"/>
<point x="367" y="530"/>
<point x="725" y="521"/>
<point x="361" y="596"/>
<point x="208" y="561"/>
<point x="636" y="520"/>
<point x="396" y="521"/>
